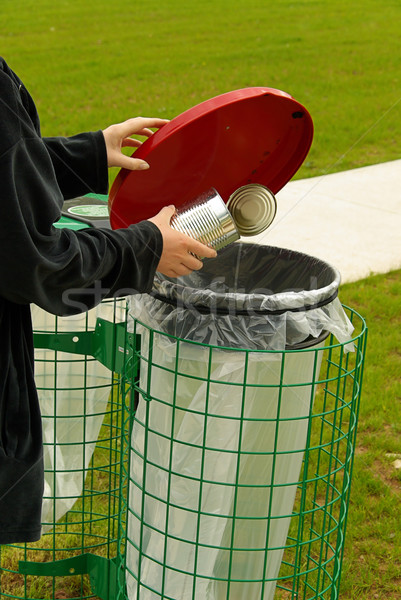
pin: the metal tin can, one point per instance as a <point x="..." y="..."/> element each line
<point x="253" y="208"/>
<point x="207" y="220"/>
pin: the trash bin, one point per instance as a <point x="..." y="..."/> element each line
<point x="78" y="362"/>
<point x="239" y="460"/>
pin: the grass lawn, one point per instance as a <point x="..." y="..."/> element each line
<point x="94" y="62"/>
<point x="372" y="562"/>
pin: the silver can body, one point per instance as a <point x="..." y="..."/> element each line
<point x="207" y="220"/>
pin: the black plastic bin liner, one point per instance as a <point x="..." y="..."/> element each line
<point x="250" y="296"/>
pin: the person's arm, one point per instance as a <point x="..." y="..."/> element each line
<point x="80" y="161"/>
<point x="48" y="266"/>
<point x="42" y="264"/>
<point x="52" y="267"/>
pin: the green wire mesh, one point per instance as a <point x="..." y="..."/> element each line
<point x="76" y="360"/>
<point x="237" y="469"/>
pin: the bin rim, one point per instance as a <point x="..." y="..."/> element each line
<point x="175" y="293"/>
<point x="354" y="337"/>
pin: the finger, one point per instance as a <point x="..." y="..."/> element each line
<point x="131" y="142"/>
<point x="145" y="131"/>
<point x="166" y="213"/>
<point x="138" y="124"/>
<point x="172" y="272"/>
<point x="153" y="122"/>
<point x="150" y="121"/>
<point x="183" y="270"/>
<point x="201" y="249"/>
<point x="192" y="262"/>
<point x="133" y="164"/>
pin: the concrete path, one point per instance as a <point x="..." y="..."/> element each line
<point x="350" y="219"/>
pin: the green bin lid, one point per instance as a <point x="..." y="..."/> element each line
<point x="83" y="212"/>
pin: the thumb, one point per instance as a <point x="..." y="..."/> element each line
<point x="133" y="164"/>
<point x="166" y="213"/>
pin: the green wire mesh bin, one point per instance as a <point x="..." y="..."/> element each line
<point x="240" y="439"/>
<point x="238" y="482"/>
<point x="78" y="361"/>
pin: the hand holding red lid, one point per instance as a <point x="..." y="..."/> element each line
<point x="119" y="136"/>
<point x="178" y="249"/>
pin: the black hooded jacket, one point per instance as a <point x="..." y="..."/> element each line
<point x="40" y="264"/>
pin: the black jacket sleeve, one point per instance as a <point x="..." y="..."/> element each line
<point x="77" y="177"/>
<point x="62" y="271"/>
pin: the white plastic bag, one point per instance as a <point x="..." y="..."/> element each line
<point x="208" y="448"/>
<point x="73" y="391"/>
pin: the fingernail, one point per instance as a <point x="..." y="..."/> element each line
<point x="144" y="165"/>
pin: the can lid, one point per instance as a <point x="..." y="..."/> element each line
<point x="253" y="208"/>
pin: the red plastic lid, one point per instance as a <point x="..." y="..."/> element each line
<point x="253" y="135"/>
